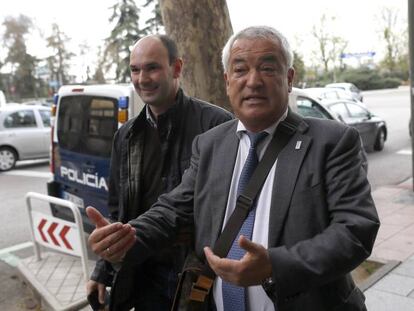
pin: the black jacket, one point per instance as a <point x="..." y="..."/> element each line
<point x="189" y="118"/>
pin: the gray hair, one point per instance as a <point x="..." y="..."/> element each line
<point x="258" y="32"/>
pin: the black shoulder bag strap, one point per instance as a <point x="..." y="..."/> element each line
<point x="244" y="203"/>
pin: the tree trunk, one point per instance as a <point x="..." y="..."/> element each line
<point x="200" y="28"/>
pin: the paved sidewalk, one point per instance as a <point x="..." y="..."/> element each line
<point x="395" y="242"/>
<point x="14" y="294"/>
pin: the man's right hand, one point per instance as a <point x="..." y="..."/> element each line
<point x="109" y="241"/>
<point x="92" y="286"/>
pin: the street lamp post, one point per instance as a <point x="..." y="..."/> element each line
<point x="411" y="52"/>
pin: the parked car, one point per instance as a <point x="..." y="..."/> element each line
<point x="327" y="94"/>
<point x="306" y="105"/>
<point x="349" y="87"/>
<point x="24" y="134"/>
<point x="39" y="103"/>
<point x="373" y="129"/>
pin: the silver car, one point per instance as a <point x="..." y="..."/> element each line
<point x="307" y="105"/>
<point x="325" y="93"/>
<point x="348" y="87"/>
<point x="24" y="133"/>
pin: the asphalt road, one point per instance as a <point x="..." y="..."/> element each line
<point x="394" y="164"/>
<point x="13" y="187"/>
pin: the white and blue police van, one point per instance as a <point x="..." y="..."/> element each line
<point x="84" y="119"/>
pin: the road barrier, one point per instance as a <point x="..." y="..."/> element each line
<point x="58" y="277"/>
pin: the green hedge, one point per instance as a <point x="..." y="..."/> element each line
<point x="370" y="79"/>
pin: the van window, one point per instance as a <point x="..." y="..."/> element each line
<point x="86" y="124"/>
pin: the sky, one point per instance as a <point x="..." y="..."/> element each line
<point x="86" y="21"/>
<point x="357" y="21"/>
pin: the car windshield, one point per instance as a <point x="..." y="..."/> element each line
<point x="309" y="108"/>
<point x="356" y="111"/>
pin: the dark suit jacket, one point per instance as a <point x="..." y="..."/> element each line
<point x="323" y="221"/>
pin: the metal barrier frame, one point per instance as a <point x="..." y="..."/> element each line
<point x="78" y="221"/>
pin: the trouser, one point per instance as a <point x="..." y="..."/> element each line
<point x="157" y="289"/>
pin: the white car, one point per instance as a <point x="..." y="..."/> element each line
<point x="309" y="106"/>
<point x="348" y="87"/>
<point x="24" y="134"/>
<point x="325" y="93"/>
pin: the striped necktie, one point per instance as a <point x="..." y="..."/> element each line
<point x="234" y="297"/>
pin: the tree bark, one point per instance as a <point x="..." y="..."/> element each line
<point x="200" y="28"/>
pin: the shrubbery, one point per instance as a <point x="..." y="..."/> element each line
<point x="364" y="78"/>
<point x="371" y="79"/>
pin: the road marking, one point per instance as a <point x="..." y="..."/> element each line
<point x="10" y="259"/>
<point x="28" y="173"/>
<point x="405" y="152"/>
<point x="16" y="247"/>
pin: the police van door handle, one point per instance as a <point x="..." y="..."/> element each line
<point x="89" y="165"/>
<point x="89" y="168"/>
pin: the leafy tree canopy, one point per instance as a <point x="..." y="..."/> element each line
<point x="125" y="15"/>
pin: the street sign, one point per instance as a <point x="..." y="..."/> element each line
<point x="54" y="83"/>
<point x="56" y="233"/>
<point x="358" y="55"/>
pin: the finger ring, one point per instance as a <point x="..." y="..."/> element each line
<point x="107" y="250"/>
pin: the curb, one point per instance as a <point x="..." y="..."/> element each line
<point x="379" y="274"/>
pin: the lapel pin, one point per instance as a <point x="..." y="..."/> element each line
<point x="298" y="144"/>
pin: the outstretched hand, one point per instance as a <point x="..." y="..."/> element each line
<point x="109" y="241"/>
<point x="96" y="217"/>
<point x="250" y="270"/>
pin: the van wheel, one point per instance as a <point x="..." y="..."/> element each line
<point x="380" y="140"/>
<point x="8" y="158"/>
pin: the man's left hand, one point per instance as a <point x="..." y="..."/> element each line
<point x="109" y="241"/>
<point x="250" y="270"/>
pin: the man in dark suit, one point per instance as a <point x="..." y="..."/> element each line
<point x="315" y="220"/>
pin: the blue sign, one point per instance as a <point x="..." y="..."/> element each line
<point x="358" y="55"/>
<point x="54" y="83"/>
